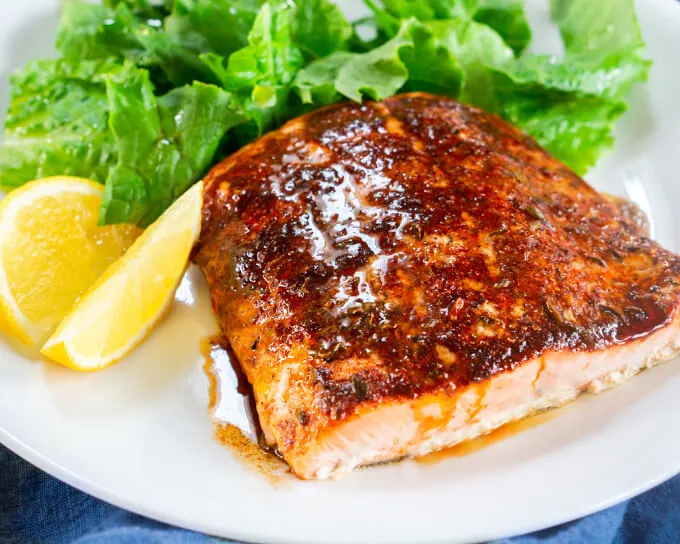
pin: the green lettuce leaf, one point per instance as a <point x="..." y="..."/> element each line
<point x="576" y="126"/>
<point x="315" y="84"/>
<point x="453" y="57"/>
<point x="377" y="74"/>
<point x="506" y="17"/>
<point x="212" y="26"/>
<point x="432" y="65"/>
<point x="570" y="104"/>
<point x="57" y="123"/>
<point x="320" y="28"/>
<point x="597" y="27"/>
<point x="575" y="131"/>
<point x="164" y="144"/>
<point x="93" y="31"/>
<point x="612" y="76"/>
<point x="260" y="74"/>
<point x="156" y="9"/>
<point x="478" y="49"/>
<point x="415" y="59"/>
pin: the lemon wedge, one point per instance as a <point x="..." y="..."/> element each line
<point x="51" y="252"/>
<point x="134" y="293"/>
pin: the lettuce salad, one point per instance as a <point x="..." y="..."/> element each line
<point x="147" y="95"/>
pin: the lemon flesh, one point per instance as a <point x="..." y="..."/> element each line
<point x="51" y="252"/>
<point x="132" y="295"/>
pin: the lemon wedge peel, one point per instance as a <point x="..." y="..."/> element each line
<point x="106" y="324"/>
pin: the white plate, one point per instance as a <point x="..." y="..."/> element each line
<point x="138" y="435"/>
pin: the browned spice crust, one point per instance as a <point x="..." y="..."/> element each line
<point x="415" y="245"/>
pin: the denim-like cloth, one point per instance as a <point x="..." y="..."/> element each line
<point x="37" y="509"/>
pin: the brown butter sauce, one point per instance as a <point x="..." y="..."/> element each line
<point x="232" y="407"/>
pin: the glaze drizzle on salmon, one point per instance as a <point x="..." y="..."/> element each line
<point x="396" y="277"/>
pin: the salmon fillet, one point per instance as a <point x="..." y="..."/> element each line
<point x="397" y="277"/>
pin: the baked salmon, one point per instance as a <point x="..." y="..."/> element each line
<point x="397" y="277"/>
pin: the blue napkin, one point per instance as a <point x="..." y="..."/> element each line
<point x="37" y="509"/>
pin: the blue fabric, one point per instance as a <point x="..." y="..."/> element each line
<point x="37" y="509"/>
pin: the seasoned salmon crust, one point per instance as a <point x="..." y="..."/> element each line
<point x="397" y="277"/>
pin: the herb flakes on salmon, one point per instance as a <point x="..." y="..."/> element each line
<point x="398" y="277"/>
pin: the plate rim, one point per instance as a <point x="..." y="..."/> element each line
<point x="246" y="537"/>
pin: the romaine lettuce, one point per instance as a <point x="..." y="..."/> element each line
<point x="149" y="93"/>
<point x="163" y="144"/>
<point x="57" y="123"/>
<point x="506" y="17"/>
